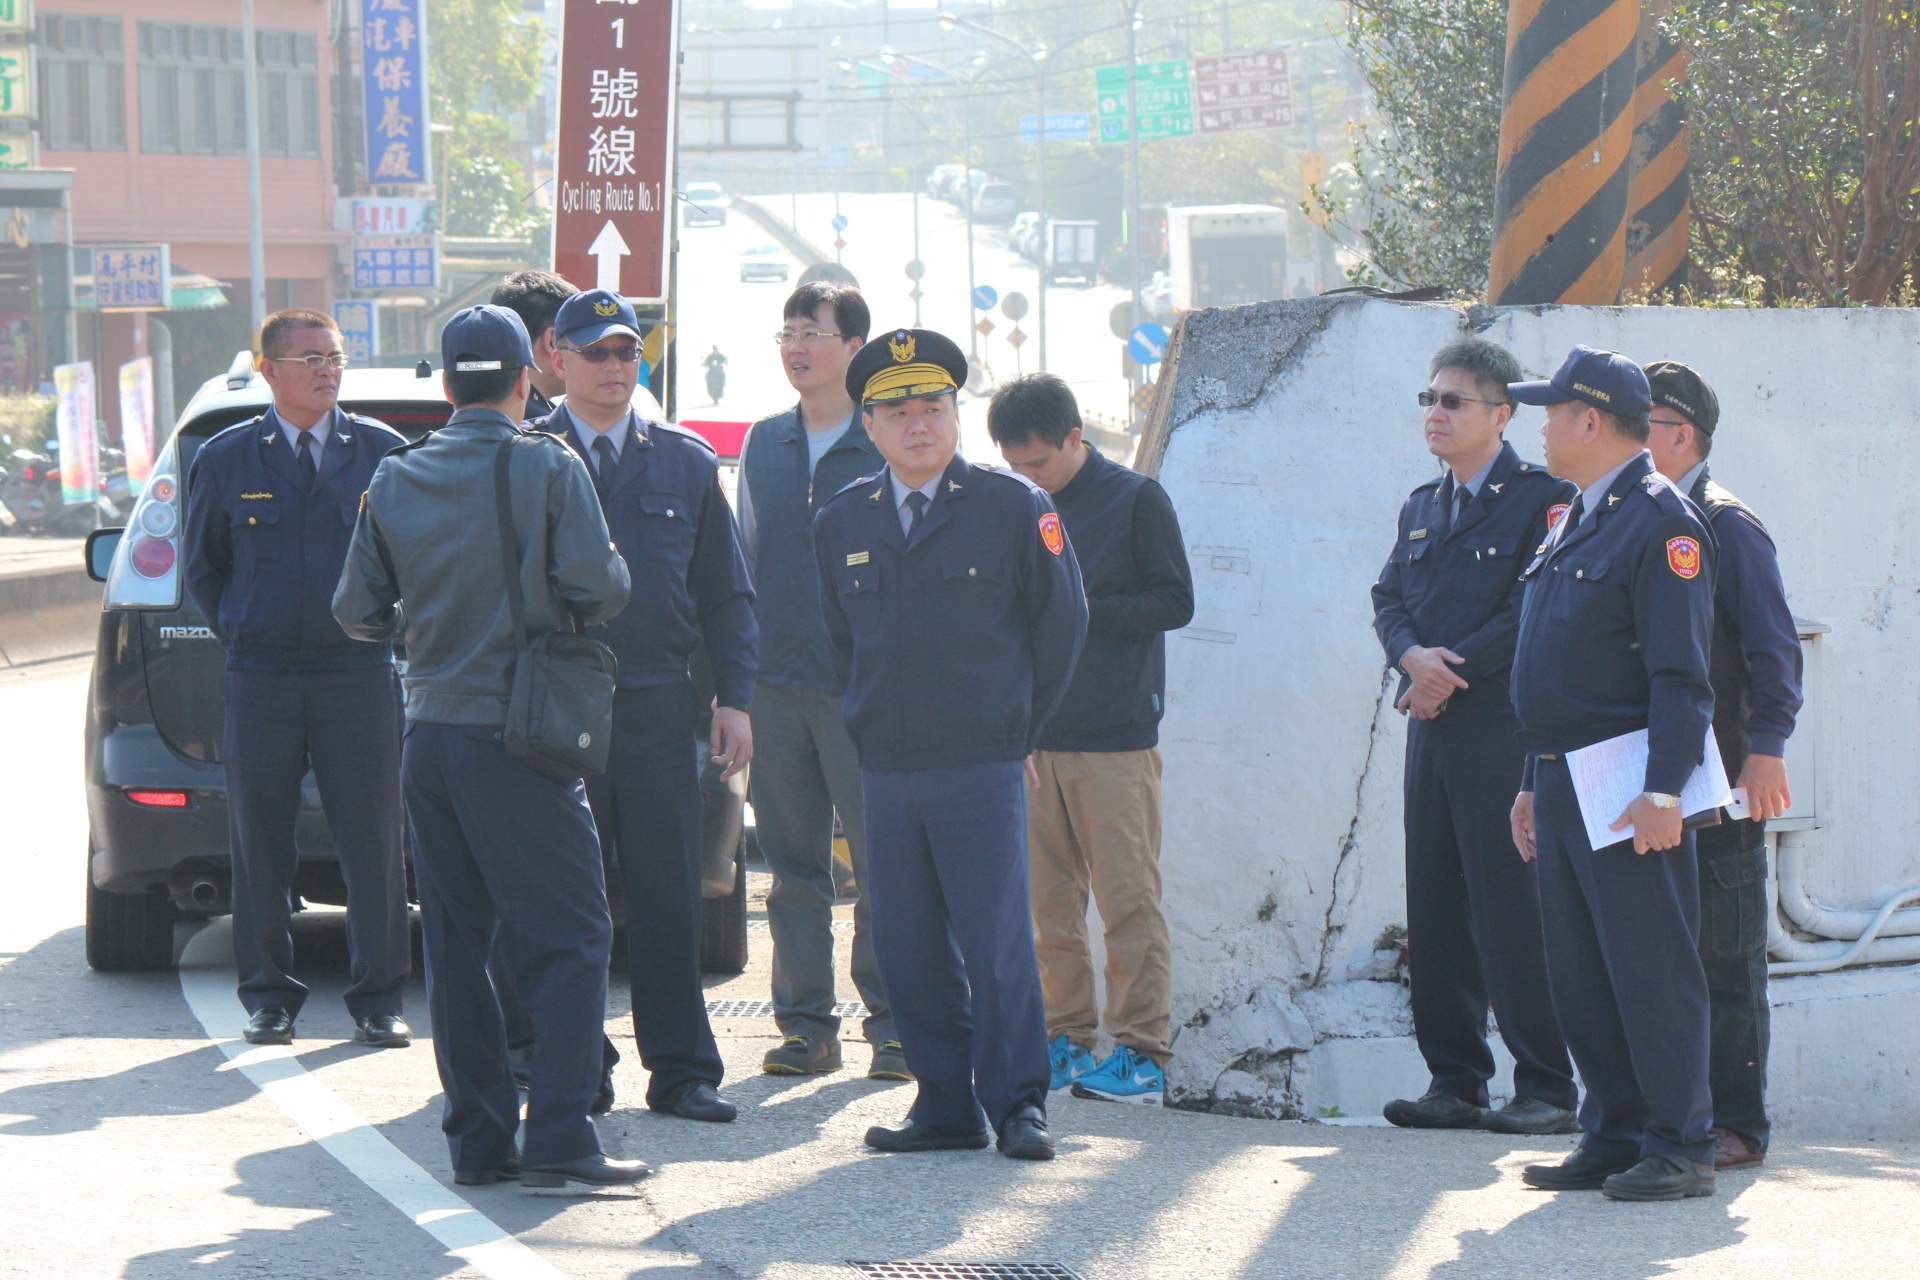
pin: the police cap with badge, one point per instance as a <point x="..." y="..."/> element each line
<point x="1604" y="379"/>
<point x="904" y="364"/>
<point x="585" y="318"/>
<point x="485" y="339"/>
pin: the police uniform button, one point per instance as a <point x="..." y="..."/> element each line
<point x="1493" y="551"/>
<point x="669" y="512"/>
<point x="252" y="520"/>
<point x="586" y="740"/>
<point x="973" y="573"/>
<point x="1579" y="573"/>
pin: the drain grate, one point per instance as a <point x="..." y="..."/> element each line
<point x="761" y="926"/>
<point x="764" y="1009"/>
<point x="965" y="1270"/>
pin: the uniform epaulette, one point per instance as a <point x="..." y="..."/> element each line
<point x="876" y="482"/>
<point x="687" y="432"/>
<point x="1008" y="472"/>
<point x="1426" y="484"/>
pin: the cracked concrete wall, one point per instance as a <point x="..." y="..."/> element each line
<point x="1288" y="436"/>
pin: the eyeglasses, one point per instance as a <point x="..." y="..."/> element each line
<point x="600" y="355"/>
<point x="338" y="360"/>
<point x="1450" y="400"/>
<point x="1664" y="422"/>
<point x="806" y="337"/>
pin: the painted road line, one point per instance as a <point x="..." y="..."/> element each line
<point x="207" y="981"/>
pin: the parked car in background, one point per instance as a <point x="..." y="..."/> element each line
<point x="1157" y="297"/>
<point x="1024" y="235"/>
<point x="996" y="202"/>
<point x="763" y="262"/>
<point x="704" y="204"/>
<point x="959" y="190"/>
<point x="1070" y="250"/>
<point x="943" y="179"/>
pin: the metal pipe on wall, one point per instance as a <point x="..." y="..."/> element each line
<point x="1869" y="940"/>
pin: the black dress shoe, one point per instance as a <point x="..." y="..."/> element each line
<point x="914" y="1136"/>
<point x="269" y="1026"/>
<point x="599" y="1170"/>
<point x="1024" y="1136"/>
<point x="696" y="1100"/>
<point x="507" y="1170"/>
<point x="1661" y="1178"/>
<point x="1436" y="1110"/>
<point x="1581" y="1171"/>
<point x="1532" y="1117"/>
<point x="383" y="1031"/>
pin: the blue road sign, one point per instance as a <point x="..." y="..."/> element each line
<point x="1062" y="126"/>
<point x="1148" y="343"/>
<point x="984" y="296"/>
<point x="359" y="321"/>
<point x="393" y="40"/>
<point x="839" y="222"/>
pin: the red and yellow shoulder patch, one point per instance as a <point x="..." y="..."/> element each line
<point x="1052" y="534"/>
<point x="1683" y="557"/>
<point x="1555" y="514"/>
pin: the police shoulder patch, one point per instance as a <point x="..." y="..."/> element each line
<point x="1052" y="534"/>
<point x="1556" y="513"/>
<point x="1683" y="557"/>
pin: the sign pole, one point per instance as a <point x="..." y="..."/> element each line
<point x="256" y="234"/>
<point x="1133" y="167"/>
<point x="1046" y="228"/>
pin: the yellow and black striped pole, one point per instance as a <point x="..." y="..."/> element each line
<point x="1566" y="127"/>
<point x="1659" y="194"/>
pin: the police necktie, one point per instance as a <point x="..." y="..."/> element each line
<point x="606" y="460"/>
<point x="308" y="470"/>
<point x="1443" y="518"/>
<point x="917" y="503"/>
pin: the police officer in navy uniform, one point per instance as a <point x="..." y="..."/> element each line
<point x="1447" y="608"/>
<point x="956" y="612"/>
<point x="659" y="486"/>
<point x="498" y="847"/>
<point x="270" y="507"/>
<point x="1615" y="631"/>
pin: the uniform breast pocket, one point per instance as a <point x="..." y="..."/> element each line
<point x="1496" y="561"/>
<point x="984" y="575"/>
<point x="858" y="589"/>
<point x="1584" y="590"/>
<point x="256" y="532"/>
<point x="668" y="526"/>
<point x="1410" y="551"/>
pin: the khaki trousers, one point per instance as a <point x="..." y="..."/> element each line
<point x="1094" y="824"/>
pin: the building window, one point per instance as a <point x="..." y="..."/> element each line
<point x="83" y="83"/>
<point x="193" y="91"/>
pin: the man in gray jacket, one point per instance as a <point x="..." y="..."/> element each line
<point x="496" y="845"/>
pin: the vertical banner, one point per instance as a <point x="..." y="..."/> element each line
<point x="359" y="321"/>
<point x="612" y="224"/>
<point x="136" y="421"/>
<point x="393" y="50"/>
<point x="79" y="443"/>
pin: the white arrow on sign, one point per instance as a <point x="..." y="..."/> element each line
<point x="608" y="247"/>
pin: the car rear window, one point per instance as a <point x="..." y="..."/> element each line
<point x="411" y="418"/>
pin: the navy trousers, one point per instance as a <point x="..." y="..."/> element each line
<point x="498" y="848"/>
<point x="345" y="725"/>
<point x="1473" y="915"/>
<point x="953" y="931"/>
<point x="1623" y="935"/>
<point x="648" y="807"/>
<point x="1733" y="950"/>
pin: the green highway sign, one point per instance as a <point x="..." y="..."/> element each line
<point x="1163" y="94"/>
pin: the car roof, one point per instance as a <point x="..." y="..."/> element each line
<point x="765" y="249"/>
<point x="701" y="186"/>
<point x="217" y="395"/>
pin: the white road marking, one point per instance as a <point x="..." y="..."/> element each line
<point x="207" y="981"/>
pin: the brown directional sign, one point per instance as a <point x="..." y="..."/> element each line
<point x="613" y="199"/>
<point x="1235" y="92"/>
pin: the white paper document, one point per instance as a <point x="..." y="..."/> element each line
<point x="1608" y="775"/>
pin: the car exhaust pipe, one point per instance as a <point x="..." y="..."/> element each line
<point x="203" y="891"/>
<point x="206" y="892"/>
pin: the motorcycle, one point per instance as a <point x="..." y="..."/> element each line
<point x="30" y="490"/>
<point x="716" y="376"/>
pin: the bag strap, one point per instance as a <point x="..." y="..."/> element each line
<point x="509" y="551"/>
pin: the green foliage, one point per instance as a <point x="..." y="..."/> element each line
<point x="485" y="67"/>
<point x="26" y="420"/>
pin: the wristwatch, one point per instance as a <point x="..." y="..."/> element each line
<point x="1661" y="800"/>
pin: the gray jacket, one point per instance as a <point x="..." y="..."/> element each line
<point x="428" y="536"/>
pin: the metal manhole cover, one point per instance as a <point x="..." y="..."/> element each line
<point x="764" y="1009"/>
<point x="965" y="1270"/>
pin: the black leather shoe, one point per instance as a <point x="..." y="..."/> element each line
<point x="1532" y="1117"/>
<point x="914" y="1136"/>
<point x="696" y="1100"/>
<point x="1437" y="1110"/>
<point x="603" y="1100"/>
<point x="1581" y="1171"/>
<point x="270" y="1026"/>
<point x="1025" y="1136"/>
<point x="507" y="1170"/>
<point x="590" y="1172"/>
<point x="383" y="1031"/>
<point x="1661" y="1178"/>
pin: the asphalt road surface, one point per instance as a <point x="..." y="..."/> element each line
<point x="139" y="1139"/>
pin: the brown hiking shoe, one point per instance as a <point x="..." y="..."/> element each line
<point x="1731" y="1151"/>
<point x="799" y="1055"/>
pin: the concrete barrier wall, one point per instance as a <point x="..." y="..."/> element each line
<point x="47" y="613"/>
<point x="1288" y="436"/>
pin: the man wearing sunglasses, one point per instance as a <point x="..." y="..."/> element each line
<point x="1447" y="608"/>
<point x="660" y="488"/>
<point x="271" y="505"/>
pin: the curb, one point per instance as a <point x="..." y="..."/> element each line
<point x="53" y="613"/>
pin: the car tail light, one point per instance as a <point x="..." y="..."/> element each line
<point x="146" y="566"/>
<point x="31" y="472"/>
<point x="159" y="799"/>
<point x="152" y="557"/>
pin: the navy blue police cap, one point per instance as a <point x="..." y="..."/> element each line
<point x="585" y="318"/>
<point x="1604" y="379"/>
<point x="485" y="339"/>
<point x="904" y="364"/>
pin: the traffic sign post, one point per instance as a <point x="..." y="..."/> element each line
<point x="984" y="297"/>
<point x="1233" y="93"/>
<point x="1062" y="126"/>
<point x="1163" y="94"/>
<point x="1147" y="344"/>
<point x="612" y="224"/>
<point x="1014" y="306"/>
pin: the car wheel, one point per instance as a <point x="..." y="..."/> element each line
<point x="723" y="923"/>
<point x="128" y="932"/>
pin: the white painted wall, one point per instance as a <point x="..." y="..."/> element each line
<point x="1290" y="439"/>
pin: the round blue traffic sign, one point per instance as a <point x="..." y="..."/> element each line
<point x="1147" y="344"/>
<point x="839" y="222"/>
<point x="984" y="296"/>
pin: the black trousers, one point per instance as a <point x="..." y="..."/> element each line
<point x="1473" y="915"/>
<point x="1733" y="950"/>
<point x="648" y="807"/>
<point x="346" y="726"/>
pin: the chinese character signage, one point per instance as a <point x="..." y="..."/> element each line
<point x="17" y="150"/>
<point x="16" y="90"/>
<point x="136" y="420"/>
<point x="396" y="262"/>
<point x="377" y="216"/>
<point x="79" y="445"/>
<point x="393" y="37"/>
<point x="1237" y="92"/>
<point x="16" y="15"/>
<point x="614" y="157"/>
<point x="1162" y="96"/>
<point x="132" y="278"/>
<point x="359" y="321"/>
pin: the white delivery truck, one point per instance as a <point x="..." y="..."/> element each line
<point x="1073" y="251"/>
<point x="1223" y="254"/>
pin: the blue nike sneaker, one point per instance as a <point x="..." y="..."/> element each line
<point x="1070" y="1062"/>
<point x="1124" y="1077"/>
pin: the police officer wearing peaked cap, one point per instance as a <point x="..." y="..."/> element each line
<point x="956" y="613"/>
<point x="1615" y="631"/>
